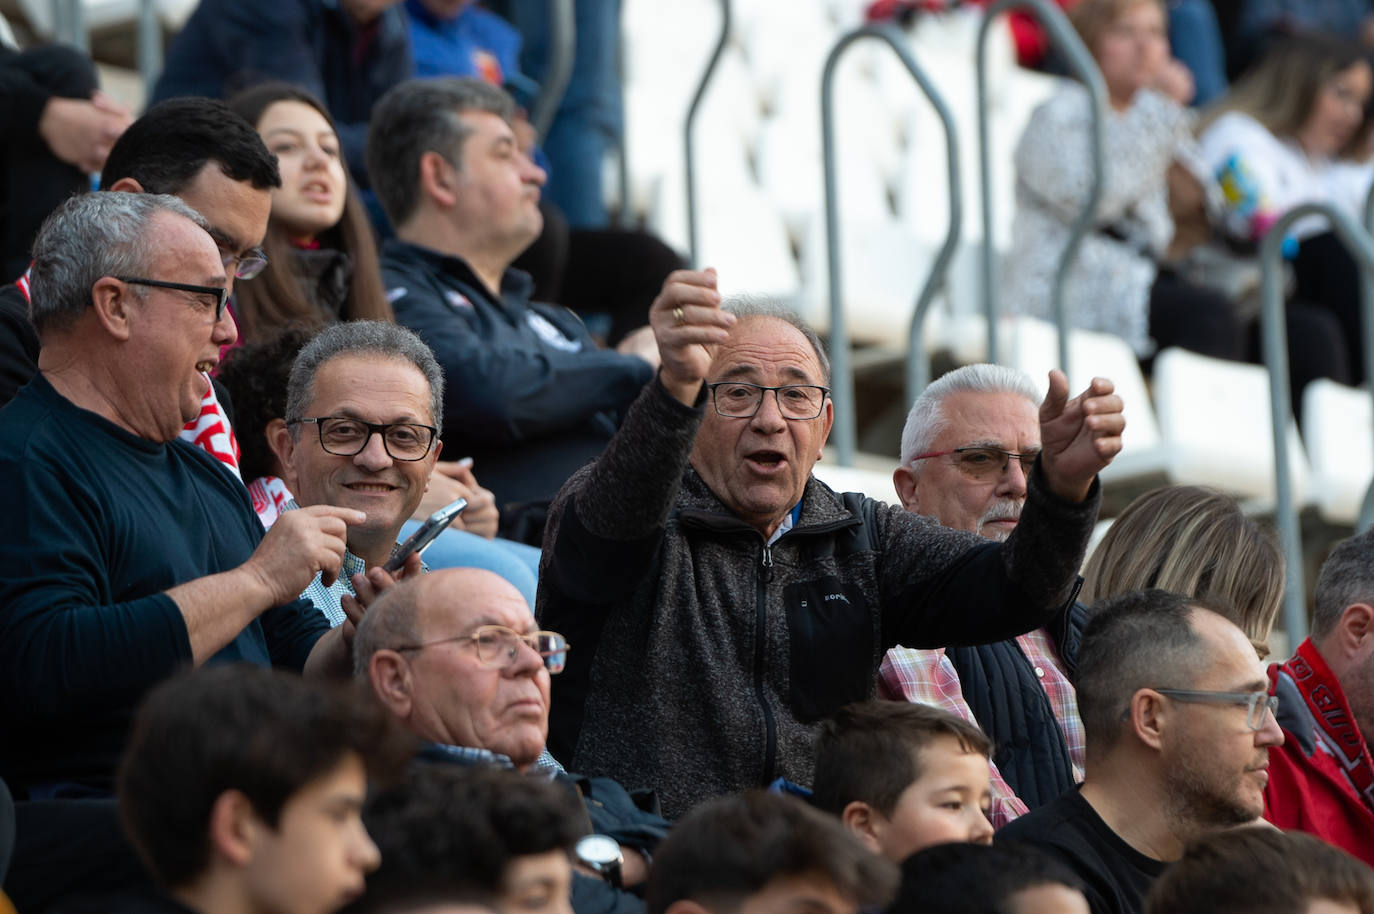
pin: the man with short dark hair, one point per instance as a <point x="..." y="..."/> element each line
<point x="970" y="441"/>
<point x="129" y="552"/>
<point x="200" y="151"/>
<point x="724" y="601"/>
<point x="1322" y="780"/>
<point x="529" y="393"/>
<point x="1179" y="728"/>
<point x="756" y="852"/>
<point x="243" y="790"/>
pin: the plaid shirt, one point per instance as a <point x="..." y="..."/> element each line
<point x="929" y="677"/>
<point x="466" y="755"/>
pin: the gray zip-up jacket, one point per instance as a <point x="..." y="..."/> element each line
<point x="701" y="658"/>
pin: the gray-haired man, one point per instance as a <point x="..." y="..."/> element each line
<point x="127" y="553"/>
<point x="969" y="443"/>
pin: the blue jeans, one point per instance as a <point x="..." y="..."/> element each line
<point x="588" y="122"/>
<point x="513" y="561"/>
<point x="1195" y="38"/>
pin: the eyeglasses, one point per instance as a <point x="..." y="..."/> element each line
<point x="498" y="646"/>
<point x="739" y="400"/>
<point x="983" y="464"/>
<point x="246" y="265"/>
<point x="220" y="293"/>
<point x="346" y="437"/>
<point x="1255" y="703"/>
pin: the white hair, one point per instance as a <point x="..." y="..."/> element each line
<point x="927" y="417"/>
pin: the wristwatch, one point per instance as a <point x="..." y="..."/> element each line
<point x="602" y="854"/>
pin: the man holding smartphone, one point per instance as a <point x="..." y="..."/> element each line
<point x="363" y="419"/>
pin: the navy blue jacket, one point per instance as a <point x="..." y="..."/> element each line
<point x="228" y="45"/>
<point x="1011" y="706"/>
<point x="527" y="394"/>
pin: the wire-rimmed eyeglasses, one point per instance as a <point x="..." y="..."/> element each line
<point x="344" y="436"/>
<point x="741" y="400"/>
<point x="982" y="463"/>
<point x="498" y="646"/>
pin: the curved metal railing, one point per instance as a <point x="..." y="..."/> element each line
<point x="1082" y="64"/>
<point x="562" y="49"/>
<point x="693" y="248"/>
<point x="917" y="363"/>
<point x="1274" y="338"/>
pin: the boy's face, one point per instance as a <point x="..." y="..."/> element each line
<point x="948" y="802"/>
<point x="798" y="895"/>
<point x="537" y="884"/>
<point x="314" y="861"/>
<point x="1050" y="898"/>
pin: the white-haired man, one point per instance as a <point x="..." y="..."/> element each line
<point x="969" y="443"/>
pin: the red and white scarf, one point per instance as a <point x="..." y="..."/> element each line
<point x="1332" y="719"/>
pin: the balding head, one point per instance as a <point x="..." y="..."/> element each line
<point x="416" y="646"/>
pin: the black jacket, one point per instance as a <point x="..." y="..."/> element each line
<point x="1011" y="706"/>
<point x="527" y="394"/>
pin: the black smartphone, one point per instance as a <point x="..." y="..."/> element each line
<point x="435" y="524"/>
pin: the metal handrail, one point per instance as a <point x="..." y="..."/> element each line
<point x="1366" y="518"/>
<point x="149" y="45"/>
<point x="562" y="48"/>
<point x="918" y="363"/>
<point x="1275" y="344"/>
<point x="693" y="250"/>
<point x="1081" y="62"/>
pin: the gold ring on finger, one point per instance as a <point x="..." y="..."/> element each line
<point x="677" y="316"/>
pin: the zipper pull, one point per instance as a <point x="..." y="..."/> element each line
<point x="767" y="562"/>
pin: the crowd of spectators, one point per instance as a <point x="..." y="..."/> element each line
<point x="658" y="666"/>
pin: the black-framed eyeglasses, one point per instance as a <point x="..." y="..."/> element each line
<point x="498" y="646"/>
<point x="220" y="293"/>
<point x="246" y="265"/>
<point x="983" y="464"/>
<point x="1255" y="703"/>
<point x="344" y="436"/>
<point x="741" y="400"/>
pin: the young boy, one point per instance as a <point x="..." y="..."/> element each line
<point x="762" y="853"/>
<point x="243" y="788"/>
<point x="987" y="879"/>
<point x="904" y="776"/>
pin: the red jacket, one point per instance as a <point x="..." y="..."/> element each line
<point x="1308" y="787"/>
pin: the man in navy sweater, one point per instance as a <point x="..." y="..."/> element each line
<point x="128" y="553"/>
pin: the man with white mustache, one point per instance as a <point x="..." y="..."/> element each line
<point x="969" y="443"/>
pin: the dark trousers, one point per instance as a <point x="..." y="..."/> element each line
<point x="1328" y="280"/>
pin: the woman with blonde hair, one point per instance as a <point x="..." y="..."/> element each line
<point x="1194" y="541"/>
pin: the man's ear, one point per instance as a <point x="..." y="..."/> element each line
<point x="863" y="823"/>
<point x="113" y="302"/>
<point x="1148" y="717"/>
<point x="233" y="828"/>
<point x="283" y="446"/>
<point x="828" y="416"/>
<point x="128" y="185"/>
<point x="1355" y="629"/>
<point x="437" y="179"/>
<point x="904" y="481"/>
<point x="389" y="674"/>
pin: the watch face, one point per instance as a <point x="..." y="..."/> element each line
<point x="599" y="849"/>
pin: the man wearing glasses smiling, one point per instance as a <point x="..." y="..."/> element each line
<point x="128" y="552"/>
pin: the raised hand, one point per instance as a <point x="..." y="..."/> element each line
<point x="1078" y="437"/>
<point x="300" y="545"/>
<point x="688" y="324"/>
